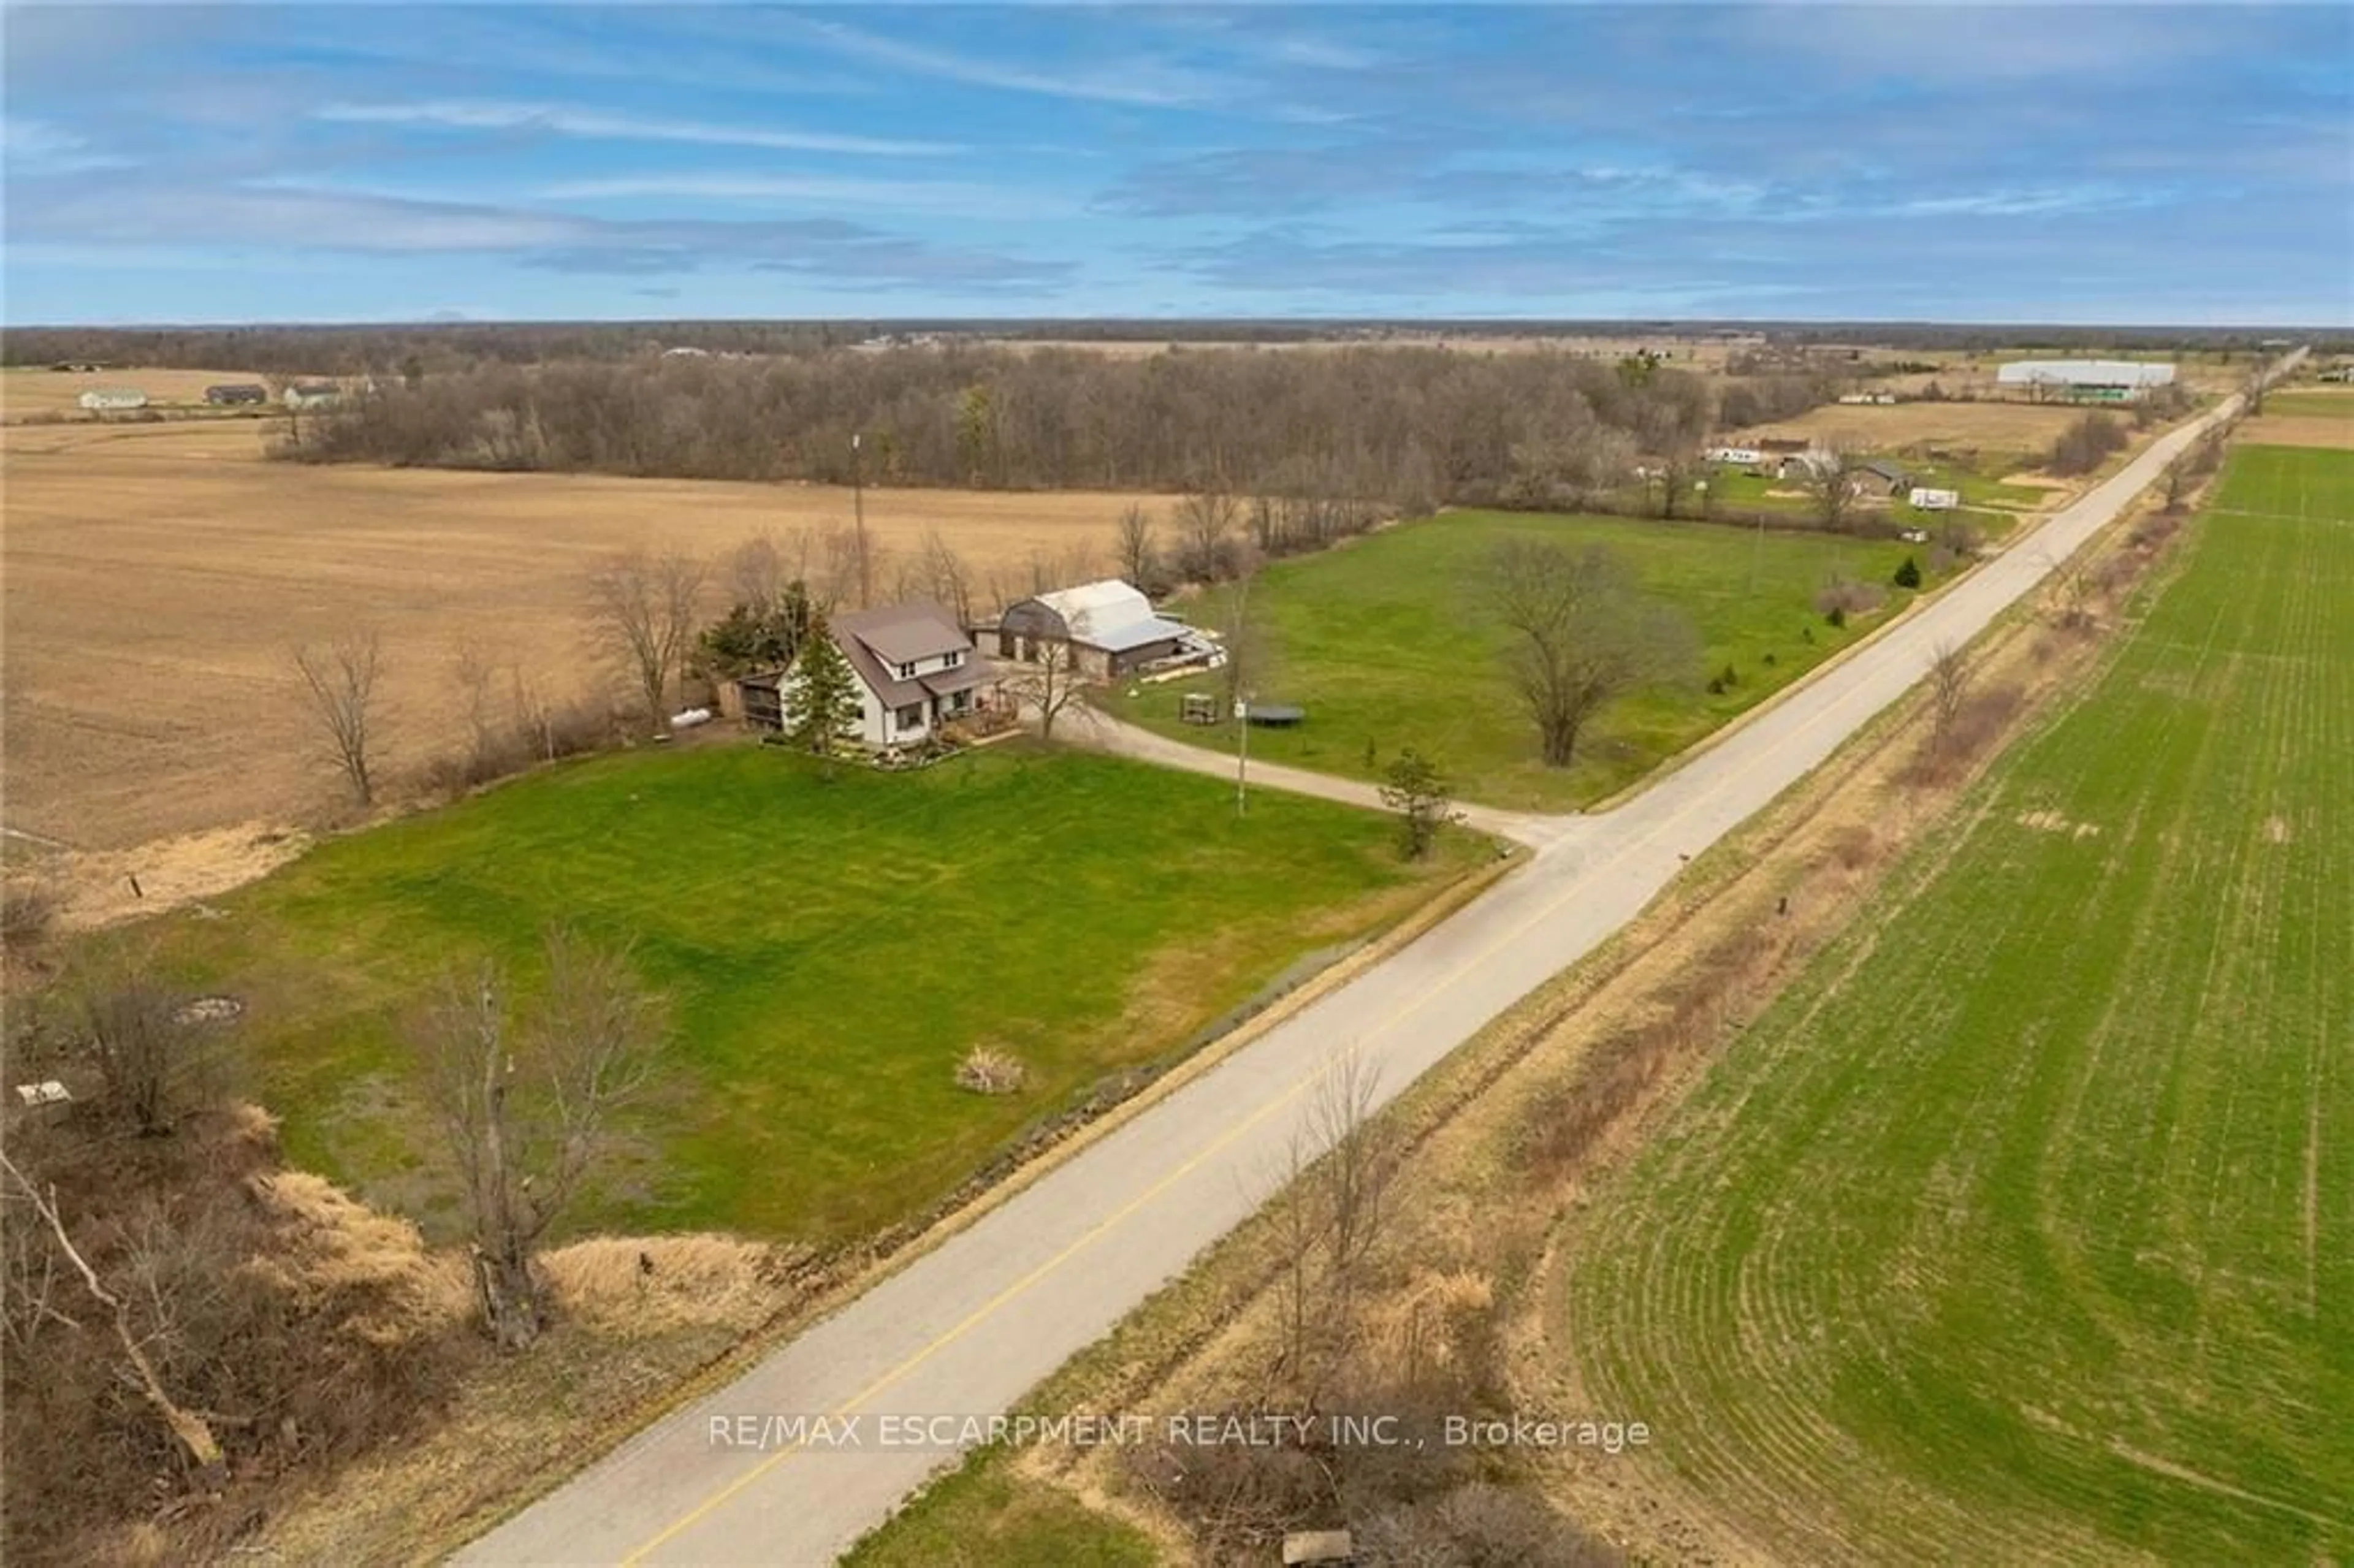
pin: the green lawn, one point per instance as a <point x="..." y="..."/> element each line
<point x="983" y="1513"/>
<point x="2022" y="1226"/>
<point x="1388" y="643"/>
<point x="833" y="949"/>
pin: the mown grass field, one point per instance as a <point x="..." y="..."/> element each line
<point x="2022" y="1228"/>
<point x="833" y="949"/>
<point x="1390" y="643"/>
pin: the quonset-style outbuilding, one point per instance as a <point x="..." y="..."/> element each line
<point x="1109" y="628"/>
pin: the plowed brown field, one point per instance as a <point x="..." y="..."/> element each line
<point x="158" y="575"/>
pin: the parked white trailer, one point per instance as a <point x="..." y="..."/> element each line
<point x="1927" y="499"/>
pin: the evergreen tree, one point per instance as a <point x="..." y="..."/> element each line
<point x="822" y="705"/>
<point x="1417" y="790"/>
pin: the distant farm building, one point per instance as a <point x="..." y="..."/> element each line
<point x="2085" y="380"/>
<point x="314" y="395"/>
<point x="1885" y="476"/>
<point x="1109" y="628"/>
<point x="1740" y="456"/>
<point x="1861" y="398"/>
<point x="109" y="399"/>
<point x="237" y="392"/>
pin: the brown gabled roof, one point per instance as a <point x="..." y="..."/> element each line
<point x="975" y="671"/>
<point x="877" y="642"/>
<point x="903" y="633"/>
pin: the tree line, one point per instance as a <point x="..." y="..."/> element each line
<point x="1414" y="426"/>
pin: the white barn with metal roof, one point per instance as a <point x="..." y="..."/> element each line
<point x="2110" y="379"/>
<point x="1109" y="626"/>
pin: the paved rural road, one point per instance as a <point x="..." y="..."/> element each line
<point x="971" y="1327"/>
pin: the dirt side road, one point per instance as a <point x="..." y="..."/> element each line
<point x="967" y="1330"/>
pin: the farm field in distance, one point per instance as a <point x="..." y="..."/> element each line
<point x="833" y="948"/>
<point x="1385" y="643"/>
<point x="158" y="575"/>
<point x="1893" y="427"/>
<point x="2021" y="1226"/>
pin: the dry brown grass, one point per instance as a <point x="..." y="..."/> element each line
<point x="2011" y="426"/>
<point x="157" y="576"/>
<point x="2302" y="429"/>
<point x="633" y="1288"/>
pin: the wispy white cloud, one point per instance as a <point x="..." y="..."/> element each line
<point x="1142" y="83"/>
<point x="327" y="220"/>
<point x="941" y="198"/>
<point x="36" y="147"/>
<point x="464" y="114"/>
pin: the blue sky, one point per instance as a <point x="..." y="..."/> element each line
<point x="326" y="162"/>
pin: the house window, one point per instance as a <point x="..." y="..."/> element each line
<point x="906" y="671"/>
<point x="911" y="718"/>
<point x="952" y="659"/>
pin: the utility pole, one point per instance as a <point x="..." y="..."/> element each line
<point x="1242" y="752"/>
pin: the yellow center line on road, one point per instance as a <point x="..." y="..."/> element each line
<point x="1020" y="1287"/>
<point x="1706" y="797"/>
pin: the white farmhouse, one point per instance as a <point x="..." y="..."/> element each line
<point x="916" y="669"/>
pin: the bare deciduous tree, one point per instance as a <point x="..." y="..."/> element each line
<point x="188" y="1429"/>
<point x="340" y="683"/>
<point x="946" y="578"/>
<point x="1133" y="544"/>
<point x="1950" y="685"/>
<point x="1342" y="1163"/>
<point x="528" y="1104"/>
<point x="1050" y="676"/>
<point x="156" y="1060"/>
<point x="1828" y="476"/>
<point x="644" y="609"/>
<point x="472" y="671"/>
<point x="1583" y="633"/>
<point x="1205" y="522"/>
<point x="756" y="573"/>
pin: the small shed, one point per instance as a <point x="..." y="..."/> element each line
<point x="230" y="392"/>
<point x="762" y="700"/>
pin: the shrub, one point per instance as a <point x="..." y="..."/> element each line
<point x="987" y="1071"/>
<point x="1836" y="615"/>
<point x="1908" y="576"/>
<point x="26" y="911"/>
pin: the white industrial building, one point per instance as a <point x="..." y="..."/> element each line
<point x="2086" y="380"/>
